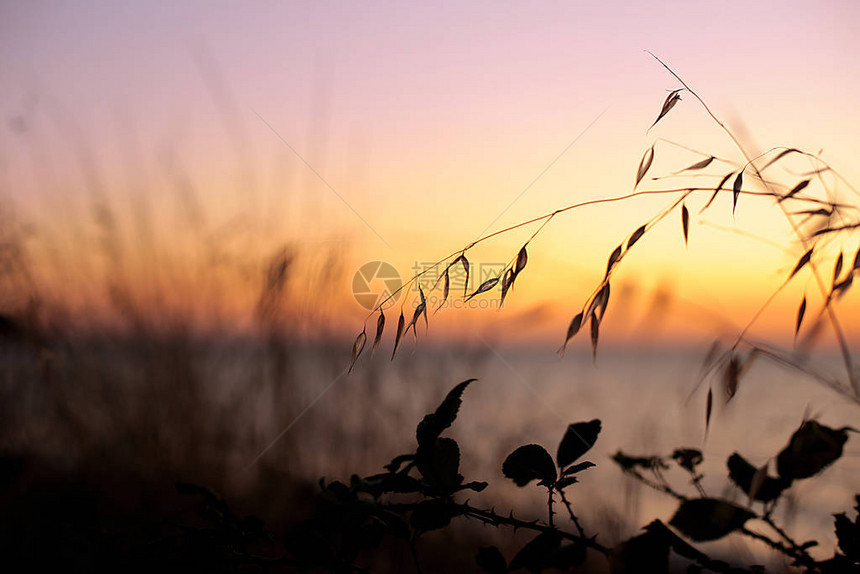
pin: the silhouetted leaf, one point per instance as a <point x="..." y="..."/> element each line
<point x="717" y="190"/>
<point x="577" y="440"/>
<point x="709" y="403"/>
<point x="848" y="535"/>
<point x="537" y="555"/>
<point x="380" y="326"/>
<point x="779" y="156"/>
<point x="736" y="190"/>
<point x="572" y="329"/>
<point x="490" y="560"/>
<point x="507" y="281"/>
<point x="576" y="468"/>
<point x="595" y="333"/>
<point x="530" y="462"/>
<point x="731" y="377"/>
<point x="432" y="425"/>
<point x="439" y="464"/>
<point x="445" y="288"/>
<point x="613" y="259"/>
<point x="636" y="236"/>
<point x="688" y="458"/>
<point x="476" y="485"/>
<point x="800" y="264"/>
<point x="700" y="165"/>
<point x="644" y="165"/>
<point x="357" y="347"/>
<point x="810" y="450"/>
<point x="685" y="222"/>
<point x="462" y="259"/>
<point x="522" y="259"/>
<point x="419" y="310"/>
<point x="647" y="552"/>
<point x="432" y="515"/>
<point x="400" y="324"/>
<point x="837" y="268"/>
<point x="565" y="482"/>
<point x="397" y="461"/>
<point x="702" y="519"/>
<point x="672" y="99"/>
<point x="423" y="306"/>
<point x="801" y="311"/>
<point x="794" y="191"/>
<point x="485" y="286"/>
<point x="856" y="265"/>
<point x="743" y="474"/>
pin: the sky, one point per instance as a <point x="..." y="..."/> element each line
<point x="180" y="144"/>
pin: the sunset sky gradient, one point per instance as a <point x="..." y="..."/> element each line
<point x="403" y="131"/>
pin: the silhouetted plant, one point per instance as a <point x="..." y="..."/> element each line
<point x="419" y="492"/>
<point x="815" y="221"/>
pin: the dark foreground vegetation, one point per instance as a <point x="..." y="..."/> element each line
<point x="149" y="495"/>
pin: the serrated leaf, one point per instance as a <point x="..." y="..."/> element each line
<point x="401" y="322"/>
<point x="794" y="191"/>
<point x="685" y="222"/>
<point x="636" y="236"/>
<point x="736" y="190"/>
<point x="801" y="311"/>
<point x="530" y="462"/>
<point x="357" y="347"/>
<point x="811" y="449"/>
<point x="439" y="463"/>
<point x="571" y="470"/>
<point x="432" y="425"/>
<point x="485" y="286"/>
<point x="565" y="482"/>
<point x="577" y="440"/>
<point x="668" y="104"/>
<point x="755" y="483"/>
<point x="702" y="519"/>
<point x="717" y="190"/>
<point x="644" y="165"/>
<point x="801" y="263"/>
<point x="380" y="326"/>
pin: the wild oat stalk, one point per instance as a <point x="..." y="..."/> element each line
<point x="796" y="204"/>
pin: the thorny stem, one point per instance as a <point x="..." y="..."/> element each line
<point x="549" y="505"/>
<point x="573" y="517"/>
<point x="834" y="321"/>
<point x="793" y="550"/>
<point x="491" y="517"/>
<point x="802" y="554"/>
